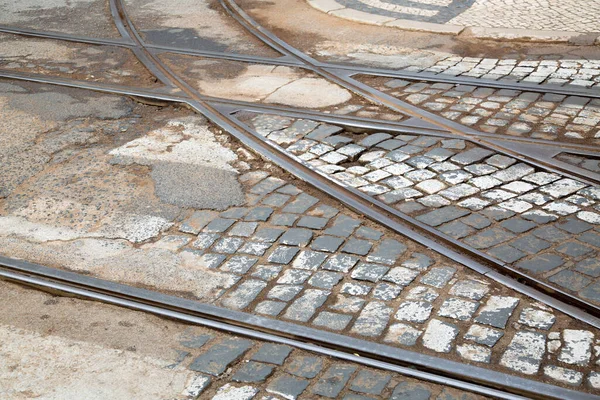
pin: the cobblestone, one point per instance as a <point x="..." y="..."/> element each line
<point x="535" y="220"/>
<point x="538" y="116"/>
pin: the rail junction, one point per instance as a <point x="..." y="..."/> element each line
<point x="334" y="228"/>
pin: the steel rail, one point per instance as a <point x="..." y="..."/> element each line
<point x="407" y="126"/>
<point x="344" y="79"/>
<point x="420" y="366"/>
<point x="361" y="203"/>
<point x="225" y="123"/>
<point x="569" y="90"/>
<point x="356" y="200"/>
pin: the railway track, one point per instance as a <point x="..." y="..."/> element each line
<point x="223" y="113"/>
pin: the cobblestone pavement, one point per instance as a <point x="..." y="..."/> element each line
<point x="261" y="243"/>
<point x="553" y="15"/>
<point x="542" y="223"/>
<point x="585" y="73"/>
<point x="591" y="163"/>
<point x="141" y="356"/>
<point x="502" y="111"/>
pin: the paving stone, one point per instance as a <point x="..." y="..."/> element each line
<point x="402" y="334"/>
<point x="497" y="311"/>
<point x="327" y="243"/>
<point x="197" y="386"/>
<point x="386" y="291"/>
<point x="355" y="289"/>
<point x="590" y="267"/>
<point x="418" y="261"/>
<point x="294" y="277"/>
<point x="287" y="386"/>
<point x="244" y="294"/>
<point x="563" y="375"/>
<point x="268" y="234"/>
<point x="530" y="244"/>
<point x="456" y="229"/>
<point x="590" y="238"/>
<point x="340" y="262"/>
<point x="497" y="213"/>
<point x="312" y="222"/>
<point x="218" y="357"/>
<point x="259" y="214"/>
<point x="574" y="249"/>
<point x="438" y="277"/>
<point x="551" y="234"/>
<point x="577" y="347"/>
<point x="269" y="307"/>
<point x="410" y="391"/>
<point x="272" y="353"/>
<point x="266" y="272"/>
<point x="422" y="293"/>
<point x="283" y="219"/>
<point x="284" y="292"/>
<point x="304" y="366"/>
<point x="244" y="229"/>
<point x="414" y="311"/>
<point x="537" y="318"/>
<point x="374" y="138"/>
<point x="401" y="276"/>
<point x="471" y="156"/>
<point x="372" y="320"/>
<point x="594" y="380"/>
<point x="370" y="382"/>
<point x="301" y="204"/>
<point x="592" y="292"/>
<point x="524" y="353"/>
<point x="267" y="186"/>
<point x="296" y="237"/>
<point x="367" y="233"/>
<point x="230" y="392"/>
<point x="477" y="221"/>
<point x="518" y="225"/>
<point x="276" y="200"/>
<point x="489" y="238"/>
<point x="252" y="372"/>
<point x="513" y="173"/>
<point x="208" y="260"/>
<point x="470" y="289"/>
<point x="195" y="341"/>
<point x="254" y="248"/>
<point x="442" y="215"/>
<point x="483" y="335"/>
<point x="357" y="246"/>
<point x="197" y="221"/>
<point x="347" y="304"/>
<point x="239" y="264"/>
<point x="387" y="252"/>
<point x="310" y="260"/>
<point x="228" y="245"/>
<point x="475" y="353"/>
<point x="562" y="187"/>
<point x="343" y="226"/>
<point x="369" y="272"/>
<point x="303" y="308"/>
<point x="325" y="280"/>
<point x="541" y="263"/>
<point x="539" y="217"/>
<point x="439" y="336"/>
<point x="333" y="321"/>
<point x="459" y="309"/>
<point x="219" y="225"/>
<point x="333" y="381"/>
<point x="283" y="255"/>
<point x="570" y="280"/>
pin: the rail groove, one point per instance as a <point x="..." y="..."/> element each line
<point x="420" y="366"/>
